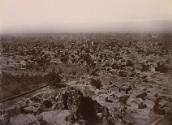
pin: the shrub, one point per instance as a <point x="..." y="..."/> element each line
<point x="53" y="77"/>
<point x="161" y="68"/>
<point x="96" y="83"/>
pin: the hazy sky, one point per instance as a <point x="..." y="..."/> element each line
<point x="84" y="15"/>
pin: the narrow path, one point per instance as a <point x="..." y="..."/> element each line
<point x="17" y="96"/>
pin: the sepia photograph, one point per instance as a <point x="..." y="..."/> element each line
<point x="85" y="62"/>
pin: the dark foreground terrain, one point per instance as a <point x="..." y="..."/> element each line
<point x="86" y="79"/>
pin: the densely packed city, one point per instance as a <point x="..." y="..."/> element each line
<point x="86" y="79"/>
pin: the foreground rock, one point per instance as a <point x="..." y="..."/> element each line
<point x="56" y="117"/>
<point x="23" y="119"/>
